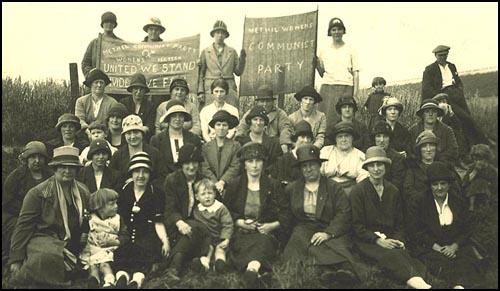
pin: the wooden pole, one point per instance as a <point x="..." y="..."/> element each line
<point x="281" y="86"/>
<point x="315" y="46"/>
<point x="74" y="86"/>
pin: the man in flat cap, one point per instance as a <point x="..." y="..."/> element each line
<point x="442" y="77"/>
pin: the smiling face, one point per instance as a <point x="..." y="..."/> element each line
<point x="65" y="174"/>
<point x="176" y="120"/>
<point x="179" y="93"/>
<point x="311" y="170"/>
<point x="205" y="195"/>
<point x="100" y="158"/>
<point x="134" y="137"/>
<point x="140" y="176"/>
<point x="344" y="141"/>
<point x="68" y="130"/>
<point x="376" y="170"/>
<point x="115" y="122"/>
<point x="307" y="103"/>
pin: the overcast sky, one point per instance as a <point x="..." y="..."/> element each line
<point x="393" y="40"/>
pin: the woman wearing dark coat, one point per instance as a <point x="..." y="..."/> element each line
<point x="443" y="231"/>
<point x="68" y="134"/>
<point x="46" y="240"/>
<point x="321" y="216"/>
<point x="391" y="111"/>
<point x="98" y="171"/>
<point x="259" y="209"/>
<point x="377" y="219"/>
<point x="185" y="233"/>
<point x="32" y="171"/>
<point x="140" y="206"/>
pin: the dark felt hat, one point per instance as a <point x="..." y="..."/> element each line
<point x="308" y="152"/>
<point x="335" y="22"/>
<point x="108" y="17"/>
<point x="439" y="171"/>
<point x="138" y="80"/>
<point x="343" y="127"/>
<point x="179" y="82"/>
<point x="219" y="25"/>
<point x="429" y="104"/>
<point x="424" y="137"/>
<point x="223" y="115"/>
<point x="378" y="80"/>
<point x="265" y="92"/>
<point x="302" y="128"/>
<point x="33" y="147"/>
<point x="252" y="150"/>
<point x="441" y="49"/>
<point x="66" y="156"/>
<point x="98" y="145"/>
<point x="96" y="74"/>
<point x="257" y="111"/>
<point x="346" y="100"/>
<point x="68" y="118"/>
<point x="190" y="153"/>
<point x="308" y="91"/>
<point x="381" y="127"/>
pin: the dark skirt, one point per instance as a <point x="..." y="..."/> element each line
<point x="254" y="246"/>
<point x="195" y="245"/>
<point x="397" y="261"/>
<point x="138" y="256"/>
<point x="331" y="94"/>
<point x="462" y="270"/>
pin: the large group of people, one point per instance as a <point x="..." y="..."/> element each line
<point x="139" y="184"/>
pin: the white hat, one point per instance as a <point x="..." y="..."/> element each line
<point x="132" y="122"/>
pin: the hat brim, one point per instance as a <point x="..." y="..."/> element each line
<point x="376" y="159"/>
<point x="338" y="107"/>
<point x="91" y="153"/>
<point x="187" y="116"/>
<point x="105" y="78"/>
<point x="59" y="124"/>
<point x="303" y="133"/>
<point x="384" y="108"/>
<point x="231" y="121"/>
<point x="140" y="165"/>
<point x="214" y="30"/>
<point x="162" y="29"/>
<point x="143" y="128"/>
<point x="65" y="163"/>
<point x="352" y="132"/>
<point x="298" y="163"/>
<point x="129" y="88"/>
<point x="264" y="98"/>
<point x="317" y="98"/>
<point x="420" y="112"/>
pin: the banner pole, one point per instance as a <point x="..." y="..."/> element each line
<point x="315" y="46"/>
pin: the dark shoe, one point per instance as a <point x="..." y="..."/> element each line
<point x="133" y="285"/>
<point x="220" y="266"/>
<point x="196" y="266"/>
<point x="121" y="283"/>
<point x="92" y="283"/>
<point x="251" y="280"/>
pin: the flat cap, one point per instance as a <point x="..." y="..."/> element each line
<point x="440" y="49"/>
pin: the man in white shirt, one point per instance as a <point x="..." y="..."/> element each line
<point x="338" y="65"/>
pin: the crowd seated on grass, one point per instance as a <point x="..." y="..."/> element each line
<point x="235" y="194"/>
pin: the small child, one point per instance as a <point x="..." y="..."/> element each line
<point x="107" y="231"/>
<point x="375" y="100"/>
<point x="97" y="131"/>
<point x="217" y="219"/>
<point x="481" y="180"/>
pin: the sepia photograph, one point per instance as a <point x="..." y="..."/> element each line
<point x="250" y="145"/>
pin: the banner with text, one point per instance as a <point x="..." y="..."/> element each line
<point x="160" y="62"/>
<point x="280" y="52"/>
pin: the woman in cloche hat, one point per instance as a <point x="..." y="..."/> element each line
<point x="50" y="225"/>
<point x="153" y="28"/>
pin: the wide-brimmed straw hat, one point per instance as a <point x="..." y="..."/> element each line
<point x="154" y="21"/>
<point x="66" y="156"/>
<point x="388" y="102"/>
<point x="376" y="154"/>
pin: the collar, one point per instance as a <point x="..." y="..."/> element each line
<point x="212" y="208"/>
<point x="445" y="203"/>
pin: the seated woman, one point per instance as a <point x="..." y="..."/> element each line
<point x="259" y="208"/>
<point x="67" y="128"/>
<point x="283" y="169"/>
<point x="97" y="174"/>
<point x="50" y="225"/>
<point x="114" y="120"/>
<point x="140" y="206"/>
<point x="32" y="171"/>
<point x="308" y="97"/>
<point x="443" y="231"/>
<point x="220" y="163"/>
<point x="481" y="180"/>
<point x="382" y="136"/>
<point x="378" y="225"/>
<point x="343" y="162"/>
<point x="97" y="131"/>
<point x="391" y="111"/>
<point x="321" y="216"/>
<point x="185" y="234"/>
<point x="258" y="120"/>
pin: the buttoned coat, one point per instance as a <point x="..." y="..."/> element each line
<point x="229" y="165"/>
<point x="211" y="69"/>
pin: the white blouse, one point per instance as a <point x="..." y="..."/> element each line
<point x="444" y="213"/>
<point x="342" y="167"/>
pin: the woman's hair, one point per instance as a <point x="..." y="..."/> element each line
<point x="205" y="182"/>
<point x="219" y="83"/>
<point x="99" y="198"/>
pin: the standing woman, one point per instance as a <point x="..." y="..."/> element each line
<point x="338" y="66"/>
<point x="32" y="171"/>
<point x="259" y="209"/>
<point x="114" y="122"/>
<point x="443" y="231"/>
<point x="140" y="205"/>
<point x="343" y="161"/>
<point x="46" y="240"/>
<point x="220" y="161"/>
<point x="219" y="61"/>
<point x="377" y="219"/>
<point x="108" y="24"/>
